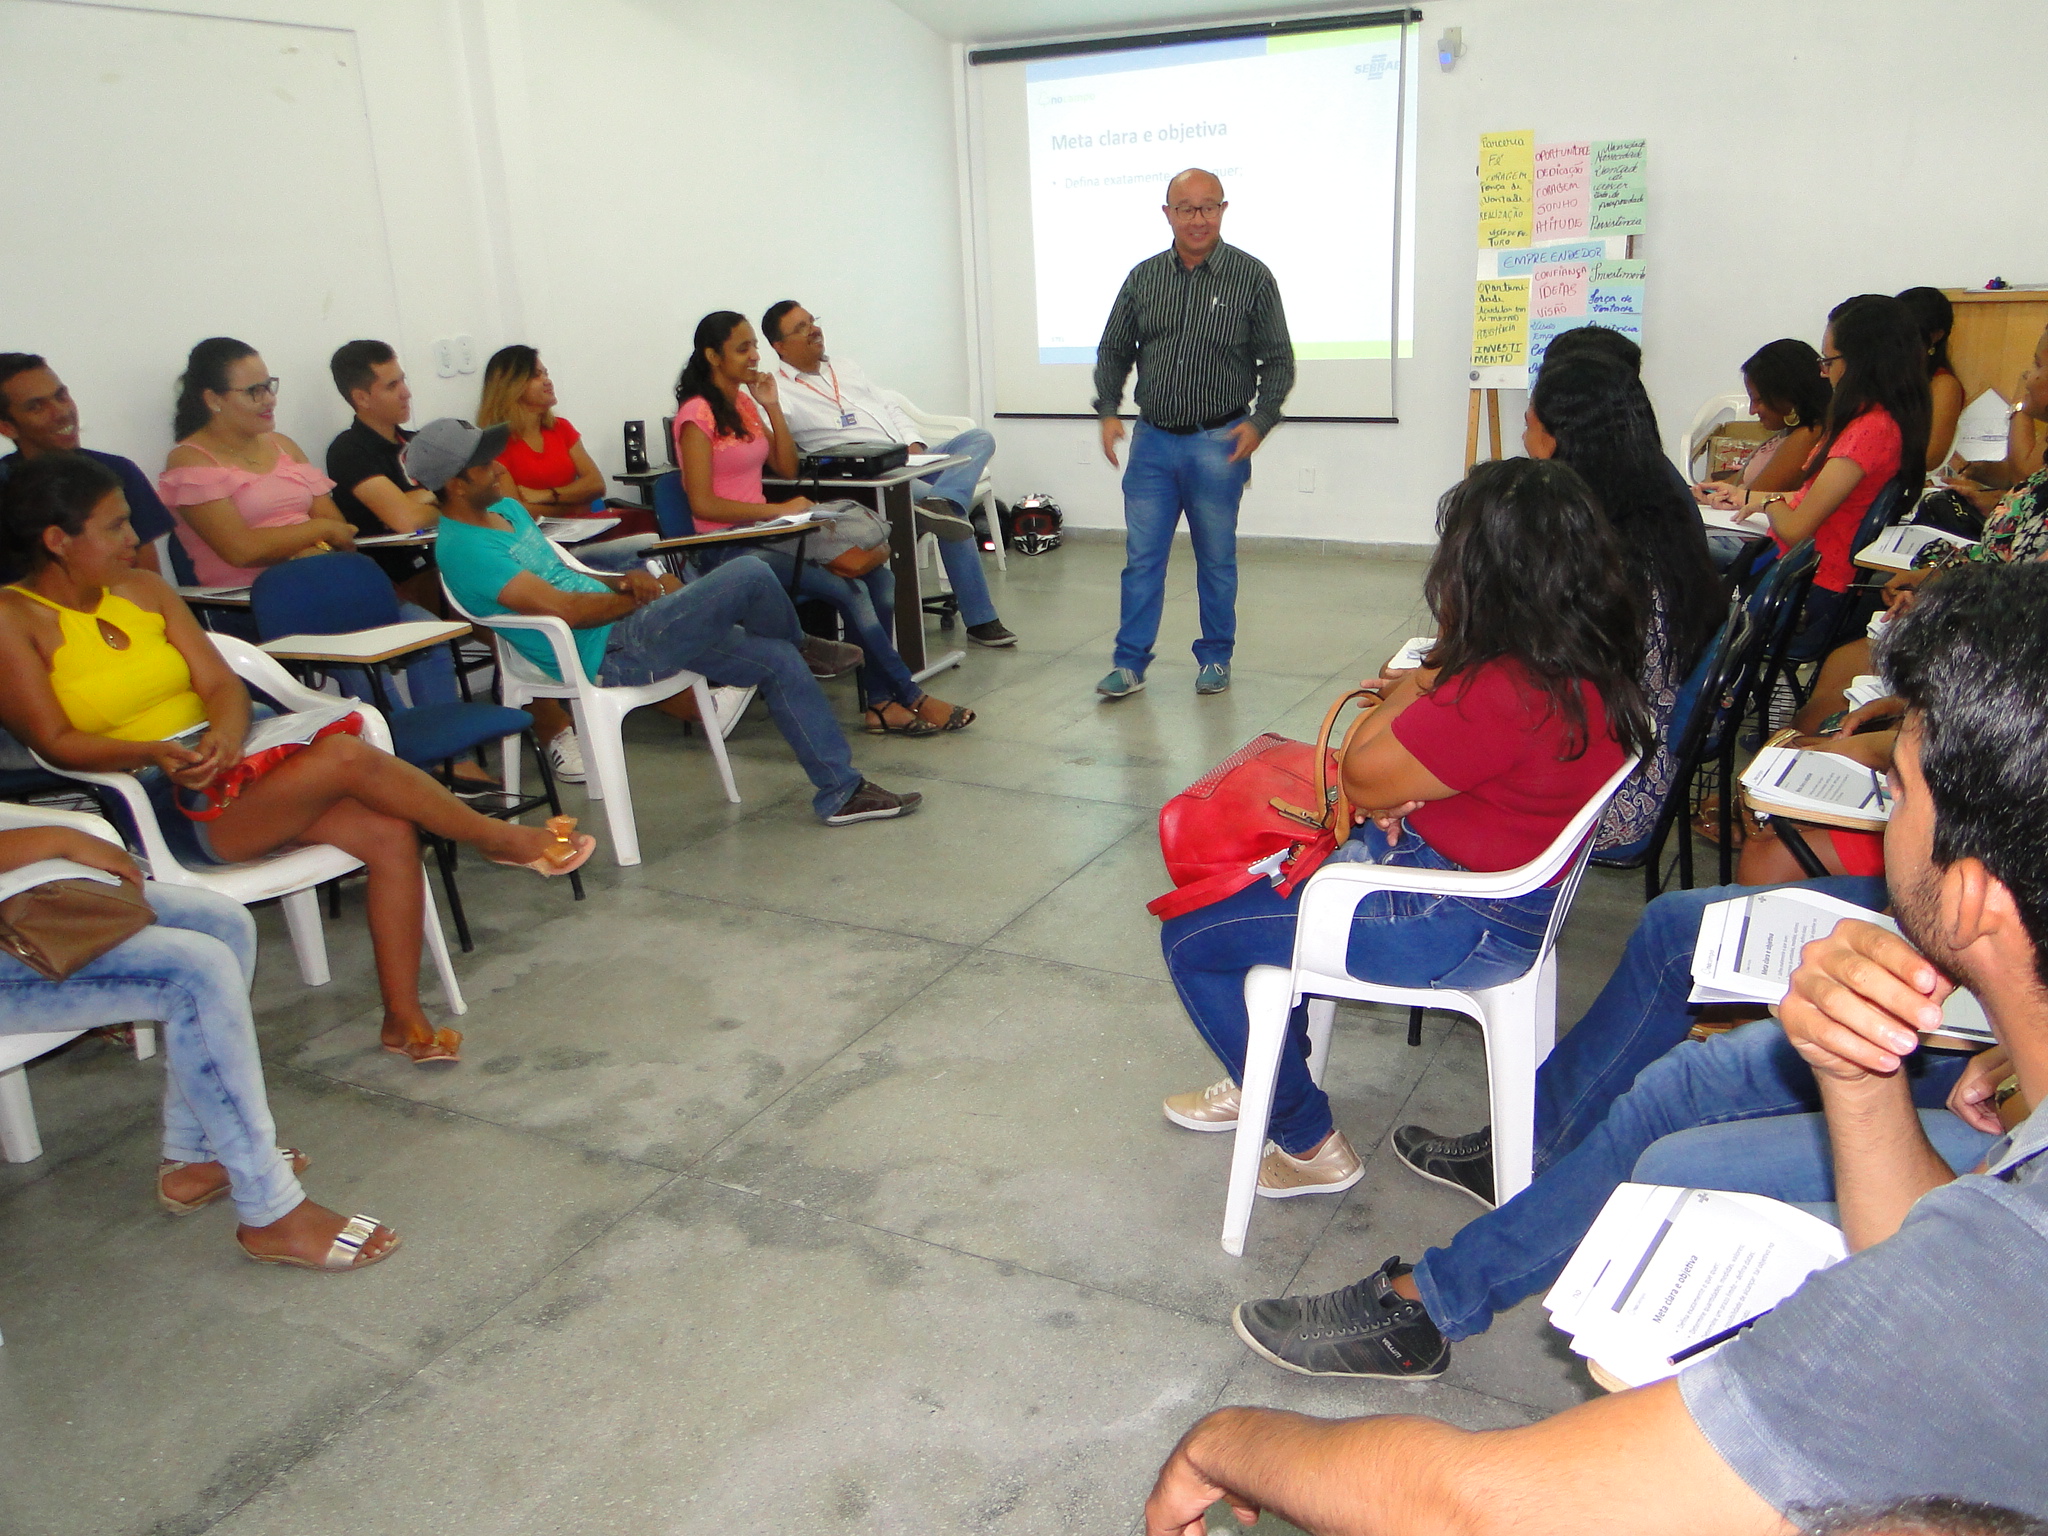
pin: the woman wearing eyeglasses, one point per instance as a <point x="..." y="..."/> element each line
<point x="244" y="494"/>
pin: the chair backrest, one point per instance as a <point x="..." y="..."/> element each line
<point x="512" y="661"/>
<point x="1704" y="420"/>
<point x="672" y="507"/>
<point x="322" y="595"/>
<point x="171" y="557"/>
<point x="668" y="438"/>
<point x="1575" y="844"/>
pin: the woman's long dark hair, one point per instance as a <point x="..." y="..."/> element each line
<point x="206" y="367"/>
<point x="695" y="381"/>
<point x="1786" y="376"/>
<point x="1936" y="317"/>
<point x="1884" y="365"/>
<point x="1529" y="569"/>
<point x="1606" y="430"/>
<point x="52" y="490"/>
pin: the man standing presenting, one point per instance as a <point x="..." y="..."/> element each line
<point x="829" y="402"/>
<point x="1204" y="325"/>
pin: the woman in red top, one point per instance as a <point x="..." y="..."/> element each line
<point x="1528" y="704"/>
<point x="1875" y="433"/>
<point x="552" y="473"/>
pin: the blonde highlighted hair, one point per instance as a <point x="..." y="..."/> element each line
<point x="506" y="376"/>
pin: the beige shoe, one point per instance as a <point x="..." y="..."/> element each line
<point x="1213" y="1108"/>
<point x="1334" y="1169"/>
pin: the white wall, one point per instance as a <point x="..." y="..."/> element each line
<point x="1800" y="151"/>
<point x="589" y="176"/>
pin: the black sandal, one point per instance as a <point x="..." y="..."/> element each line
<point x="877" y="724"/>
<point x="960" y="718"/>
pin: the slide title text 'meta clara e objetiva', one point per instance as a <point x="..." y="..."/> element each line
<point x="1173" y="133"/>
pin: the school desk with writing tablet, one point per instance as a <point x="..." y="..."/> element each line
<point x="890" y="495"/>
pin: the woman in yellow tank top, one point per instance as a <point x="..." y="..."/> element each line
<point x="102" y="667"/>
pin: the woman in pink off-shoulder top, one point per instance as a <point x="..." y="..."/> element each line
<point x="244" y="495"/>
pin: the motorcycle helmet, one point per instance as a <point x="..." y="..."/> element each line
<point x="1035" y="524"/>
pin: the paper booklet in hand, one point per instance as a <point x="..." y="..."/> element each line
<point x="1409" y="657"/>
<point x="1894" y="549"/>
<point x="1748" y="949"/>
<point x="295" y="729"/>
<point x="1800" y="779"/>
<point x="1663" y="1271"/>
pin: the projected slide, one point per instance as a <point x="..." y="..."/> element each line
<point x="1303" y="130"/>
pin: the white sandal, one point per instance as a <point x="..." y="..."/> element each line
<point x="348" y="1244"/>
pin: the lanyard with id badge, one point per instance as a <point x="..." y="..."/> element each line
<point x="846" y="416"/>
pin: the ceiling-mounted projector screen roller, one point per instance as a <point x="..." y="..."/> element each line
<point x="1311" y="130"/>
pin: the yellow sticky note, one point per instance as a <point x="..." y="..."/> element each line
<point x="1507" y="189"/>
<point x="1500" y="323"/>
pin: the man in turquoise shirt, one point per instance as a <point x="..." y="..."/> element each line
<point x="734" y="625"/>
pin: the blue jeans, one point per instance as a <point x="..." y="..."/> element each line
<point x="192" y="972"/>
<point x="1400" y="938"/>
<point x="1751" y="1073"/>
<point x="736" y="626"/>
<point x="614" y="556"/>
<point x="868" y="605"/>
<point x="1169" y="475"/>
<point x="1788" y="1157"/>
<point x="962" y="557"/>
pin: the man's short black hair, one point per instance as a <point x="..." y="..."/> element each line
<point x="355" y="364"/>
<point x="1596" y="338"/>
<point x="1970" y="659"/>
<point x="12" y="363"/>
<point x="1918" y="1517"/>
<point x="771" y="320"/>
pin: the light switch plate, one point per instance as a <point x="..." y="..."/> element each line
<point x="444" y="357"/>
<point x="465" y="354"/>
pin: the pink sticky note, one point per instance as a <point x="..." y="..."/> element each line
<point x="1558" y="290"/>
<point x="1563" y="201"/>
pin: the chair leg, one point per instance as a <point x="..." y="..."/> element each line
<point x="1415" y="1026"/>
<point x="1268" y="997"/>
<point x="437" y="946"/>
<point x="508" y="754"/>
<point x="604" y="756"/>
<point x="444" y="855"/>
<point x="547" y="785"/>
<point x="19" y="1141"/>
<point x="1322" y="1013"/>
<point x="1521" y="1027"/>
<point x="594" y="787"/>
<point x="309" y="939"/>
<point x="715" y="739"/>
<point x="333" y="889"/>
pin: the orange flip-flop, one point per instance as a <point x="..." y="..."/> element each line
<point x="555" y="861"/>
<point x="443" y="1047"/>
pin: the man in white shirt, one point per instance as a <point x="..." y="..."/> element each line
<point x="829" y="402"/>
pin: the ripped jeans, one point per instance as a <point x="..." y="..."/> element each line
<point x="1399" y="938"/>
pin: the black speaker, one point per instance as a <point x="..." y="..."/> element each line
<point x="636" y="447"/>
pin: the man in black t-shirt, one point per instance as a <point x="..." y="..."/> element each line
<point x="365" y="463"/>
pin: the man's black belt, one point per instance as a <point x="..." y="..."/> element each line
<point x="1200" y="426"/>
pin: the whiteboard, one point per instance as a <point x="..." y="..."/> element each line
<point x="191" y="176"/>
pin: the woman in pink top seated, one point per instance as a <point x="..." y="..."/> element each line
<point x="722" y="444"/>
<point x="244" y="495"/>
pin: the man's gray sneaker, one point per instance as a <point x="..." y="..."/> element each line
<point x="940" y="518"/>
<point x="829" y="658"/>
<point x="1120" y="683"/>
<point x="1365" y="1329"/>
<point x="1465" y="1163"/>
<point x="871" y="802"/>
<point x="1213" y="678"/>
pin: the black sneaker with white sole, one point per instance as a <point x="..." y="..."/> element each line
<point x="991" y="634"/>
<point x="1464" y="1163"/>
<point x="871" y="802"/>
<point x="1366" y="1329"/>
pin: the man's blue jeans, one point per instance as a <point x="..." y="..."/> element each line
<point x="868" y="605"/>
<point x="962" y="557"/>
<point x="736" y="626"/>
<point x="1169" y="475"/>
<point x="1587" y="1144"/>
<point x="1401" y="938"/>
<point x="1787" y="1157"/>
<point x="191" y="971"/>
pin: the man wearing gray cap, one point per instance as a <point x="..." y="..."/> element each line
<point x="735" y="624"/>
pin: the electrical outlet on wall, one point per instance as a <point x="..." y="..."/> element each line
<point x="465" y="354"/>
<point x="1306" y="483"/>
<point x="444" y="357"/>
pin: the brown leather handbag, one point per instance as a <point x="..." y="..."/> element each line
<point x="58" y="926"/>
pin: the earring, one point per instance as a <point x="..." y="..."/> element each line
<point x="1791" y="418"/>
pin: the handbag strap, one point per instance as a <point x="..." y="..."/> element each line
<point x="1331" y="800"/>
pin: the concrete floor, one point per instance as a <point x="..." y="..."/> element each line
<point x="798" y="1180"/>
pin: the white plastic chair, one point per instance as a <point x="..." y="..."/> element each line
<point x="1519" y="1017"/>
<point x="1712" y="412"/>
<point x="19" y="1140"/>
<point x="600" y="714"/>
<point x="984" y="492"/>
<point x="292" y="874"/>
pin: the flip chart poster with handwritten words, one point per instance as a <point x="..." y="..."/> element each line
<point x="1574" y="205"/>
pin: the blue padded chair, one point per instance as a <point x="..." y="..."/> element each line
<point x="339" y="593"/>
<point x="672" y="507"/>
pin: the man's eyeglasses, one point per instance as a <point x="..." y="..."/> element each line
<point x="1827" y="358"/>
<point x="267" y="390"/>
<point x="1197" y="210"/>
<point x="816" y="327"/>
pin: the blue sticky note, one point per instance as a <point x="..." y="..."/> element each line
<point x="1614" y="296"/>
<point x="1542" y="332"/>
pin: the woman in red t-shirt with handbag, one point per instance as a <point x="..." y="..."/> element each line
<point x="1875" y="433"/>
<point x="552" y="472"/>
<point x="1527" y="704"/>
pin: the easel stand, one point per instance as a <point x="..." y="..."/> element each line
<point x="1472" y="424"/>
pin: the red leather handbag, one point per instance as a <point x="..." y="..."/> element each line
<point x="1273" y="809"/>
<point x="229" y="783"/>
